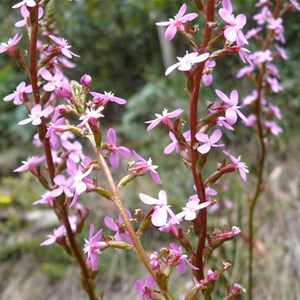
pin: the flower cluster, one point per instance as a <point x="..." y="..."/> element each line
<point x="66" y="112"/>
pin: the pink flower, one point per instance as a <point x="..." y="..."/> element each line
<point x="189" y="211"/>
<point x="114" y="150"/>
<point x="185" y="63"/>
<point x="233" y="29"/>
<point x="53" y="238"/>
<point x="178" y="259"/>
<point x="143" y="166"/>
<point x="175" y="144"/>
<point x="90" y="114"/>
<point x="161" y="208"/>
<point x="93" y="247"/>
<point x="46" y="199"/>
<point x="63" y="186"/>
<point x="237" y="164"/>
<point x="165" y="118"/>
<point x="78" y="185"/>
<point x="103" y="99"/>
<point x="9" y="46"/>
<point x="119" y="227"/>
<point x="30" y="3"/>
<point x="63" y="46"/>
<point x="18" y="94"/>
<point x="25" y="14"/>
<point x="232" y="109"/>
<point x="54" y="81"/>
<point x="30" y="164"/>
<point x="86" y="81"/>
<point x="36" y="115"/>
<point x="207" y="76"/>
<point x="144" y="287"/>
<point x="208" y="141"/>
<point x="177" y="23"/>
<point x="274" y="127"/>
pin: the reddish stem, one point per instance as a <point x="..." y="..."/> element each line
<point x="200" y="223"/>
<point x="33" y="71"/>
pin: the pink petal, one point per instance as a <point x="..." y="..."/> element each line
<point x="110" y="223"/>
<point x="204" y="148"/>
<point x="231" y="116"/>
<point x="230" y="34"/>
<point x="225" y="15"/>
<point x="111" y="136"/>
<point x="222" y="96"/>
<point x="159" y="217"/>
<point x="216" y="135"/>
<point x="189" y="17"/>
<point x="148" y="200"/>
<point x="181" y="11"/>
<point x="241" y="20"/>
<point x="170" y="32"/>
<point x="114" y="160"/>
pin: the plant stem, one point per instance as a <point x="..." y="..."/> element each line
<point x="77" y="253"/>
<point x="118" y="201"/>
<point x="201" y="218"/>
<point x="262" y="155"/>
<point x="33" y="71"/>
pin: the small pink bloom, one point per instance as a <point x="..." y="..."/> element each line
<point x="64" y="46"/>
<point x="232" y="109"/>
<point x="237" y="164"/>
<point x="30" y="164"/>
<point x="209" y="141"/>
<point x="114" y="150"/>
<point x="93" y="247"/>
<point x="36" y="115"/>
<point x="18" y="94"/>
<point x="142" y="166"/>
<point x="161" y="208"/>
<point x="165" y="118"/>
<point x="119" y="226"/>
<point x="144" y="287"/>
<point x="186" y="62"/>
<point x="9" y="46"/>
<point x="103" y="99"/>
<point x="233" y="29"/>
<point x="57" y="234"/>
<point x="177" y="23"/>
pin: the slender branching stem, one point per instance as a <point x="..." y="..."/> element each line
<point x="86" y="279"/>
<point x="261" y="156"/>
<point x="118" y="201"/>
<point x="200" y="223"/>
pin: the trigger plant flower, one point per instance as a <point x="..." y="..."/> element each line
<point x="165" y="118"/>
<point x="161" y="208"/>
<point x="209" y="141"/>
<point x="177" y="23"/>
<point x="63" y="46"/>
<point x="18" y="94"/>
<point x="142" y="166"/>
<point x="30" y="164"/>
<point x="93" y="247"/>
<point x="9" y="46"/>
<point x="114" y="150"/>
<point x="36" y="115"/>
<point x="186" y="62"/>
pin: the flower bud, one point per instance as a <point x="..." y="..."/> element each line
<point x="86" y="81"/>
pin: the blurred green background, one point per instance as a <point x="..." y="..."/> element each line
<point x="119" y="47"/>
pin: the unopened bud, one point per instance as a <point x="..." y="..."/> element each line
<point x="86" y="81"/>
